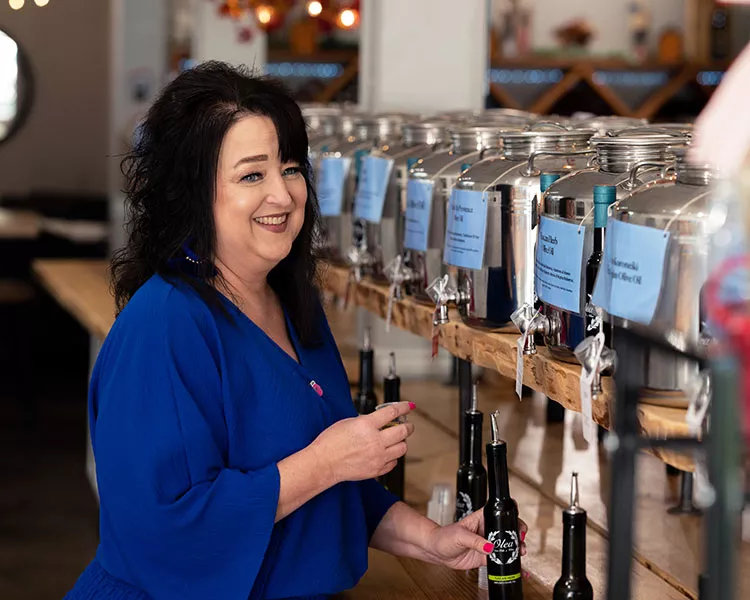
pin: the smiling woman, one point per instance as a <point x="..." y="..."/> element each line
<point x="224" y="434"/>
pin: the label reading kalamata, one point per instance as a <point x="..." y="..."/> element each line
<point x="418" y="209"/>
<point x="466" y="229"/>
<point x="559" y="264"/>
<point x="372" y="188"/>
<point x="632" y="271"/>
<point x="331" y="180"/>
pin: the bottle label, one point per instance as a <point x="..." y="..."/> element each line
<point x="331" y="182"/>
<point x="463" y="505"/>
<point x="465" y="229"/>
<point x="418" y="210"/>
<point x="559" y="263"/>
<point x="507" y="549"/>
<point x="632" y="271"/>
<point x="372" y="188"/>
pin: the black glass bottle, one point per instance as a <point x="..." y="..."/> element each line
<point x="573" y="584"/>
<point x="365" y="401"/>
<point x="471" y="478"/>
<point x="501" y="524"/>
<point x="604" y="195"/>
<point x="393" y="481"/>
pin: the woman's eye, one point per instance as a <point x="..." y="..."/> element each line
<point x="289" y="171"/>
<point x="252" y="177"/>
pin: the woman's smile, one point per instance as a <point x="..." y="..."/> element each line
<point x="273" y="223"/>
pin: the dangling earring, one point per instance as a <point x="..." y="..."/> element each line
<point x="190" y="255"/>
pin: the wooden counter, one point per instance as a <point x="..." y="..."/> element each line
<point x="497" y="351"/>
<point x="391" y="578"/>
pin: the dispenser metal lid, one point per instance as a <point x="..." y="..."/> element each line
<point x="423" y="132"/>
<point x="518" y="145"/>
<point x="619" y="151"/>
<point x="474" y="138"/>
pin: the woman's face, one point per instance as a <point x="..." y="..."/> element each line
<point x="260" y="201"/>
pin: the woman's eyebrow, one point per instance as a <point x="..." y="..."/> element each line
<point x="252" y="159"/>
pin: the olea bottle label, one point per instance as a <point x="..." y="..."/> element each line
<point x="506" y="552"/>
<point x="463" y="505"/>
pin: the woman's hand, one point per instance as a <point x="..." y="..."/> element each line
<point x="461" y="545"/>
<point x="359" y="448"/>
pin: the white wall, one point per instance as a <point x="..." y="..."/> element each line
<point x="608" y="17"/>
<point x="215" y="38"/>
<point x="63" y="145"/>
<point x="423" y="55"/>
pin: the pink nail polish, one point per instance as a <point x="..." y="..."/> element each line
<point x="523" y="536"/>
<point x="412" y="406"/>
<point x="488" y="547"/>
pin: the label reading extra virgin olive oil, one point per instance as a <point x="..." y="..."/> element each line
<point x="504" y="565"/>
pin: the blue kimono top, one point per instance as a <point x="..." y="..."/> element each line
<point x="190" y="412"/>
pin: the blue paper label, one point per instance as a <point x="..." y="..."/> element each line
<point x="418" y="210"/>
<point x="465" y="230"/>
<point x="632" y="271"/>
<point x="559" y="264"/>
<point x="372" y="188"/>
<point x="331" y="181"/>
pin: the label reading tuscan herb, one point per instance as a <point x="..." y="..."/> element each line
<point x="559" y="263"/>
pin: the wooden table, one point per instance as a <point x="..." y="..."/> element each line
<point x="497" y="351"/>
<point x="391" y="578"/>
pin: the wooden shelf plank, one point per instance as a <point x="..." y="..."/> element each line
<point x="497" y="351"/>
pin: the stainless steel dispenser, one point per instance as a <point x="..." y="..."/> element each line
<point x="383" y="236"/>
<point x="486" y="295"/>
<point x="435" y="175"/>
<point x="679" y="206"/>
<point x="337" y="179"/>
<point x="626" y="159"/>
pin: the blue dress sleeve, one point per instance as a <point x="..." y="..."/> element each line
<point x="376" y="501"/>
<point x="183" y="524"/>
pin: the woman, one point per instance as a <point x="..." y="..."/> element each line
<point x="230" y="461"/>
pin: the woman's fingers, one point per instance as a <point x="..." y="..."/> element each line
<point x="396" y="451"/>
<point x="388" y="468"/>
<point x="472" y="541"/>
<point x="394" y="435"/>
<point x="523" y="528"/>
<point x="381" y="418"/>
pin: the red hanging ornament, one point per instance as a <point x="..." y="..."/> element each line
<point x="245" y="35"/>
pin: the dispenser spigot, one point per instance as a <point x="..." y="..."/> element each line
<point x="397" y="274"/>
<point x="444" y="294"/>
<point x="529" y="322"/>
<point x="359" y="260"/>
<point x="595" y="358"/>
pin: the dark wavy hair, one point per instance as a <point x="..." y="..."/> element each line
<point x="170" y="188"/>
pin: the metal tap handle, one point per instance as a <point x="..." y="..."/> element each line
<point x="632" y="178"/>
<point x="532" y="171"/>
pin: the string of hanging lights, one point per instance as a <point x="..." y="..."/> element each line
<point x="271" y="15"/>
